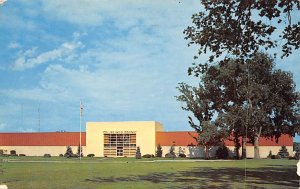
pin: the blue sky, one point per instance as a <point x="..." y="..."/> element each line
<point x="123" y="59"/>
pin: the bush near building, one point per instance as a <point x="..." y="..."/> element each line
<point x="90" y="155"/>
<point x="47" y="155"/>
<point x="69" y="153"/>
<point x="13" y="153"/>
<point x="296" y="156"/>
<point x="283" y="153"/>
<point x="159" y="151"/>
<point x="275" y="157"/>
<point x="148" y="156"/>
<point x="138" y="154"/>
<point x="222" y="152"/>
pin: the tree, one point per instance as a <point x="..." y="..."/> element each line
<point x="198" y="101"/>
<point x="222" y="152"/>
<point x="250" y="100"/>
<point x="231" y="31"/>
<point x="159" y="151"/>
<point x="172" y="153"/>
<point x="240" y="29"/>
<point x="69" y="152"/>
<point x="138" y="154"/>
<point x="210" y="136"/>
<point x="253" y="99"/>
<point x="283" y="153"/>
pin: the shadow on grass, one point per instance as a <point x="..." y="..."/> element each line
<point x="205" y="177"/>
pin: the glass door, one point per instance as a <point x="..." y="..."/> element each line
<point x="120" y="151"/>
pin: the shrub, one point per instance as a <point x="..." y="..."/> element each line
<point x="283" y="153"/>
<point x="296" y="156"/>
<point x="159" y="151"/>
<point x="69" y="152"/>
<point x="270" y="154"/>
<point x="138" y="153"/>
<point x="61" y="155"/>
<point x="275" y="157"/>
<point x="13" y="153"/>
<point x="90" y="155"/>
<point x="47" y="155"/>
<point x="22" y="155"/>
<point x="222" y="152"/>
<point x="182" y="155"/>
<point x="169" y="155"/>
<point x="148" y="156"/>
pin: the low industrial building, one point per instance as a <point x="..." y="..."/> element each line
<point x="121" y="139"/>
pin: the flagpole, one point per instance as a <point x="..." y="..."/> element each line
<point x="80" y="148"/>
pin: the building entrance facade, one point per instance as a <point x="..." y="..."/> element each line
<point x="122" y="145"/>
<point x="121" y="139"/>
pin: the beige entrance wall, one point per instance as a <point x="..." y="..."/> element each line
<point x="145" y="135"/>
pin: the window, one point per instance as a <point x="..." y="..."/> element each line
<point x="119" y="145"/>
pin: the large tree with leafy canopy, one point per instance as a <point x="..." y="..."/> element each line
<point x="250" y="100"/>
<point x="240" y="29"/>
<point x="198" y="101"/>
<point x="256" y="98"/>
<point x="237" y="31"/>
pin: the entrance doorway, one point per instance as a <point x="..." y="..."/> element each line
<point x="119" y="151"/>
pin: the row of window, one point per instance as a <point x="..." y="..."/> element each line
<point x="119" y="145"/>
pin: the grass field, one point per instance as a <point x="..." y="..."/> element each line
<point x="58" y="172"/>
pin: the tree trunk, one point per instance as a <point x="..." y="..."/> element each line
<point x="237" y="147"/>
<point x="237" y="152"/>
<point x="244" y="151"/>
<point x="256" y="144"/>
<point x="206" y="152"/>
<point x="256" y="147"/>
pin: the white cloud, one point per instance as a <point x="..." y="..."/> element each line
<point x="26" y="130"/>
<point x="13" y="45"/>
<point x="30" y="52"/>
<point x="130" y="74"/>
<point x="28" y="59"/>
<point x="123" y="14"/>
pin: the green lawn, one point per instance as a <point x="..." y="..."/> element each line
<point x="57" y="172"/>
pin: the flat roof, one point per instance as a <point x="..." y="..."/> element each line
<point x="177" y="138"/>
<point x="43" y="139"/>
